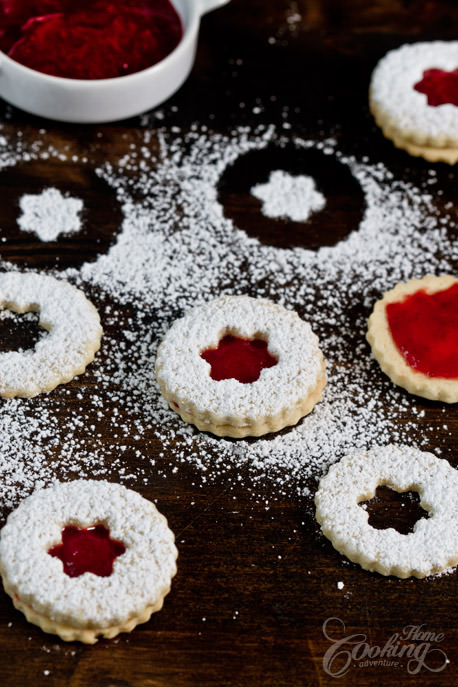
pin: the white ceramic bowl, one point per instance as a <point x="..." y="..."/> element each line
<point x="106" y="100"/>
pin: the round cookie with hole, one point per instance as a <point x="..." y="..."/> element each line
<point x="69" y="344"/>
<point x="240" y="366"/>
<point x="430" y="548"/>
<point x="414" y="99"/>
<point x="87" y="559"/>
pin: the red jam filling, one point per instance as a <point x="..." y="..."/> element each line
<point x="424" y="327"/>
<point x="87" y="550"/>
<point x="441" y="88"/>
<point x="88" y="39"/>
<point x="237" y="358"/>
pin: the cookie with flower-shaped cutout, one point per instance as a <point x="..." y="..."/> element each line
<point x="87" y="559"/>
<point x="432" y="546"/>
<point x="414" y="99"/>
<point x="72" y="338"/>
<point x="240" y="366"/>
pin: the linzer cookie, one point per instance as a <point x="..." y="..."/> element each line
<point x="414" y="99"/>
<point x="239" y="366"/>
<point x="72" y="338"/>
<point x="432" y="546"/>
<point x="413" y="333"/>
<point x="87" y="559"/>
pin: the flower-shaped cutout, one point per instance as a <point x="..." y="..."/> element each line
<point x="49" y="214"/>
<point x="87" y="550"/>
<point x="288" y="196"/>
<point x="238" y="358"/>
<point x="440" y="87"/>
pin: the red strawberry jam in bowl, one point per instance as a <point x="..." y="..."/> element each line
<point x="413" y="333"/>
<point x="98" y="61"/>
<point x="89" y="549"/>
<point x="238" y="358"/>
<point x="89" y="40"/>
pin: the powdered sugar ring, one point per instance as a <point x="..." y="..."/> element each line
<point x="404" y="112"/>
<point x="282" y="394"/>
<point x="88" y="604"/>
<point x="433" y="544"/>
<point x="73" y="339"/>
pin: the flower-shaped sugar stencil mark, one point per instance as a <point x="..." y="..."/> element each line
<point x="49" y="214"/>
<point x="288" y="196"/>
<point x="56" y="214"/>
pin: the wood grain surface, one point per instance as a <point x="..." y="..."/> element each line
<point x="255" y="586"/>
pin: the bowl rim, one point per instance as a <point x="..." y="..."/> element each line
<point x="189" y="32"/>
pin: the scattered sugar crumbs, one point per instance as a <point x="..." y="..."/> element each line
<point x="175" y="249"/>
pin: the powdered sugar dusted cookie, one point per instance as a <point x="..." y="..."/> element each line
<point x="87" y="559"/>
<point x="239" y="366"/>
<point x="73" y="337"/>
<point x="414" y="99"/>
<point x="432" y="546"/>
<point x="413" y="332"/>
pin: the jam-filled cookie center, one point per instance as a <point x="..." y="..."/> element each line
<point x="88" y="549"/>
<point x="424" y="327"/>
<point x="238" y="358"/>
<point x="440" y="87"/>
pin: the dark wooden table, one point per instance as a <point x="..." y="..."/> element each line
<point x="254" y="586"/>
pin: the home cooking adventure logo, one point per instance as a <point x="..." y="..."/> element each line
<point x="414" y="648"/>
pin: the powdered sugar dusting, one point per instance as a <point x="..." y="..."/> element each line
<point x="293" y="197"/>
<point x="49" y="214"/>
<point x="176" y="249"/>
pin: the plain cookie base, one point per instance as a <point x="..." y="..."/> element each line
<point x="87" y="635"/>
<point x="411" y="144"/>
<point x="388" y="355"/>
<point x="346" y="525"/>
<point x="244" y="428"/>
